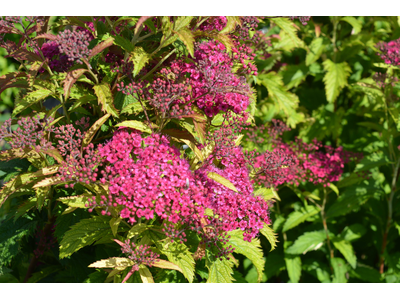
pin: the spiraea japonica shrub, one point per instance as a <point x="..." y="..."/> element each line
<point x="138" y="173"/>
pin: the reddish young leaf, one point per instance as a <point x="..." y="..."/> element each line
<point x="100" y="47"/>
<point x="140" y="22"/>
<point x="47" y="36"/>
<point x="24" y="54"/>
<point x="72" y="77"/>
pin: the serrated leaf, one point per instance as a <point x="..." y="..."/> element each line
<point x="271" y="236"/>
<point x="10" y="235"/>
<point x="288" y="27"/>
<point x="353" y="232"/>
<point x="186" y="36"/>
<point x="267" y="193"/>
<point x="182" y="22"/>
<point x="221" y="180"/>
<point x="164" y="264"/>
<point x="92" y="131"/>
<point x="252" y="250"/>
<point x="284" y="99"/>
<point x="297" y="217"/>
<point x="119" y="263"/>
<point x="366" y="273"/>
<point x="357" y="25"/>
<point x="136" y="125"/>
<point x="220" y="271"/>
<point x="307" y="242"/>
<point x="105" y="98"/>
<point x="123" y="43"/>
<point x="75" y="201"/>
<point x="347" y="251"/>
<point x="100" y="47"/>
<point x="84" y="233"/>
<point x="316" y="49"/>
<point x="72" y="77"/>
<point x="339" y="270"/>
<point x="132" y="109"/>
<point x="335" y="78"/>
<point x="41" y="194"/>
<point x="145" y="274"/>
<point x="29" y="99"/>
<point x="231" y="23"/>
<point x="140" y="58"/>
<point x="293" y="267"/>
<point x="49" y="181"/>
<point x="179" y="255"/>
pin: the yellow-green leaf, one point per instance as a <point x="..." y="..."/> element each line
<point x="145" y="274"/>
<point x="186" y="36"/>
<point x="225" y="182"/>
<point x="136" y="125"/>
<point x="271" y="236"/>
<point x="30" y="99"/>
<point x="114" y="223"/>
<point x="136" y="229"/>
<point x="335" y="78"/>
<point x="164" y="264"/>
<point x="105" y="98"/>
<point x="220" y="271"/>
<point x="92" y="131"/>
<point x="75" y="201"/>
<point x="140" y="58"/>
<point x="231" y="23"/>
<point x="112" y="262"/>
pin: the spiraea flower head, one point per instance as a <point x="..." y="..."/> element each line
<point x="74" y="44"/>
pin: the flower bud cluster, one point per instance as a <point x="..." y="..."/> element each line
<point x="390" y="52"/>
<point x="69" y="138"/>
<point x="81" y="168"/>
<point x="303" y="19"/>
<point x="381" y="78"/>
<point x="30" y="133"/>
<point x="140" y="255"/>
<point x="74" y="44"/>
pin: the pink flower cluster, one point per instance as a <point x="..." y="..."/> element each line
<point x="148" y="178"/>
<point x="298" y="161"/>
<point x="235" y="209"/>
<point x="390" y="52"/>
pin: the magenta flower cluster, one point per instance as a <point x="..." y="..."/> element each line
<point x="57" y="62"/>
<point x="390" y="52"/>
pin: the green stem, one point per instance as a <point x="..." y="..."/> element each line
<point x="324" y="223"/>
<point x="159" y="63"/>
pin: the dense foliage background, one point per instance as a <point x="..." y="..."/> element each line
<point x="327" y="81"/>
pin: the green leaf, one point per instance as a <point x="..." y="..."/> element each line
<point x="339" y="270"/>
<point x="357" y="25"/>
<point x="252" y="250"/>
<point x="353" y="232"/>
<point x="288" y="27"/>
<point x="316" y="49"/>
<point x="145" y="274"/>
<point x="114" y="223"/>
<point x="334" y="188"/>
<point x="136" y="125"/>
<point x="179" y="255"/>
<point x="297" y="217"/>
<point x="352" y="198"/>
<point x="366" y="273"/>
<point x="335" y="78"/>
<point x="267" y="193"/>
<point x="31" y="98"/>
<point x="308" y="241"/>
<point x="347" y="251"/>
<point x="119" y="263"/>
<point x="123" y="43"/>
<point x="137" y="229"/>
<point x="140" y="58"/>
<point x="293" y="267"/>
<point x="271" y="236"/>
<point x="84" y="233"/>
<point x="37" y="276"/>
<point x="186" y="36"/>
<point x="220" y="271"/>
<point x="11" y="234"/>
<point x="286" y="101"/>
<point x="373" y="160"/>
<point x="105" y="98"/>
<point x="221" y="180"/>
<point x="132" y="109"/>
